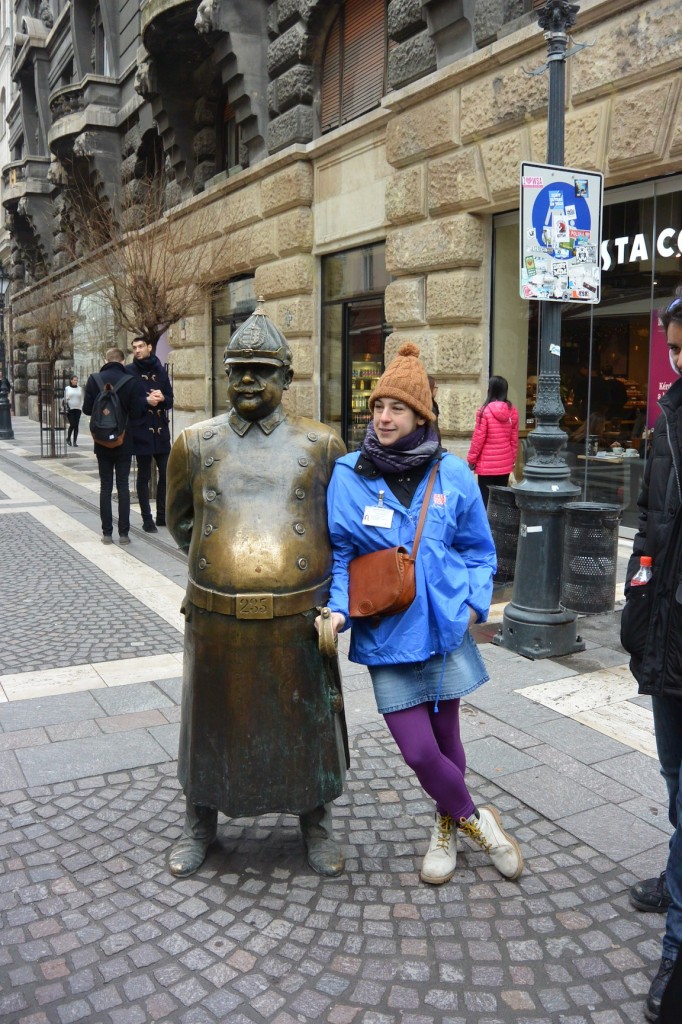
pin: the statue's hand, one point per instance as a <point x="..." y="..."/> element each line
<point x="328" y="624"/>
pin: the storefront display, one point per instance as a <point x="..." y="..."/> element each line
<point x="614" y="364"/>
<point x="353" y="335"/>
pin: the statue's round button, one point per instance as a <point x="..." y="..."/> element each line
<point x="302" y="563"/>
<point x="208" y="530"/>
<point x="299" y="492"/>
<point x="202" y="563"/>
<point x="312" y="436"/>
<point x="207" y="435"/>
<point x="299" y="527"/>
<point x="210" y="495"/>
<point x="303" y="461"/>
<point x="209" y="461"/>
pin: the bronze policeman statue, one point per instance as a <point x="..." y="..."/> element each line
<point x="262" y="727"/>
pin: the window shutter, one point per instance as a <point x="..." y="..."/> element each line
<point x="364" y="56"/>
<point x="331" y="80"/>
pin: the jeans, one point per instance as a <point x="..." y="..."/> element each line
<point x="668" y="729"/>
<point x="144" y="476"/>
<point x="108" y="463"/>
<point x="73" y="416"/>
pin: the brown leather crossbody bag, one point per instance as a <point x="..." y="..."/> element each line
<point x="383" y="582"/>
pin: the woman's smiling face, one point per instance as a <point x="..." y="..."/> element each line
<point x="394" y="419"/>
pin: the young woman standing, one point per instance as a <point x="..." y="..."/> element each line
<point x="424" y="659"/>
<point x="495" y="440"/>
<point x="73" y="401"/>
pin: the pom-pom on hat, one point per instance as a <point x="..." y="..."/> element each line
<point x="405" y="379"/>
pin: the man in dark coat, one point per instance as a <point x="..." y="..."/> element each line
<point x="151" y="432"/>
<point x="262" y="728"/>
<point x="117" y="460"/>
<point x="651" y="631"/>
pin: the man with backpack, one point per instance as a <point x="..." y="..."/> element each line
<point x="112" y="397"/>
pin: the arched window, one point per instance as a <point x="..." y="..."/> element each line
<point x="353" y="63"/>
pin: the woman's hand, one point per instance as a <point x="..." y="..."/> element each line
<point x="338" y="622"/>
<point x="473" y="616"/>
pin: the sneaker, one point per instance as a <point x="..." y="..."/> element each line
<point x="124" y="539"/>
<point x="149" y="527"/>
<point x="487" y="832"/>
<point x="107" y="539"/>
<point x="68" y="442"/>
<point x="652" y="1007"/>
<point x="651" y="895"/>
<point x="439" y="863"/>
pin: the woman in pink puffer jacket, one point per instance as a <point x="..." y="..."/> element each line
<point x="492" y="452"/>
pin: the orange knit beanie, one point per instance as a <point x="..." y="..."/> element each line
<point x="405" y="379"/>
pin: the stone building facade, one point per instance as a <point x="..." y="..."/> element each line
<point x="231" y="98"/>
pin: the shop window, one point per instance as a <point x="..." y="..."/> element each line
<point x="353" y="336"/>
<point x="353" y="63"/>
<point x="233" y="303"/>
<point x="614" y="361"/>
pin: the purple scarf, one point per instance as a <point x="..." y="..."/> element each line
<point x="414" y="449"/>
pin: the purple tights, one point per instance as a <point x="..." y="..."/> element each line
<point x="431" y="746"/>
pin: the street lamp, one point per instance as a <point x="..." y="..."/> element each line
<point x="534" y="623"/>
<point x="6" y="432"/>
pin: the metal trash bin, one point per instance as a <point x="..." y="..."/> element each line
<point x="590" y="557"/>
<point x="504" y="517"/>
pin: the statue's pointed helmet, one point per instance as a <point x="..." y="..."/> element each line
<point x="258" y="340"/>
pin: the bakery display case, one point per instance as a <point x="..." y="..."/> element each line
<point x="365" y="372"/>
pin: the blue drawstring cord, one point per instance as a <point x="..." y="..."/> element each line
<point x="440" y="684"/>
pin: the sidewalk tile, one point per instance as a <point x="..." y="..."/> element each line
<point x="80" y="759"/>
<point x="550" y="793"/>
<point x="611" y="830"/>
<point x="168" y="736"/>
<point x="578" y="740"/>
<point x="131" y="697"/>
<point x="492" y="757"/>
<point x="43" y="711"/>
<point x="11" y="776"/>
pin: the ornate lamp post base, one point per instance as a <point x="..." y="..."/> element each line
<point x="534" y="624"/>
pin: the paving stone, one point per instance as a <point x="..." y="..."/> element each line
<point x="494" y="757"/>
<point x="78" y="759"/>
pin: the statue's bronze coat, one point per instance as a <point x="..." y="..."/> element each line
<point x="262" y="722"/>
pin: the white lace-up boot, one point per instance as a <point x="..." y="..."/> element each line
<point x="440" y="860"/>
<point x="487" y="832"/>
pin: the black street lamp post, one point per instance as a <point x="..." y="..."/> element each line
<point x="534" y="624"/>
<point x="6" y="432"/>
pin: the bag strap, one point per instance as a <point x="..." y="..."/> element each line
<point x="425" y="508"/>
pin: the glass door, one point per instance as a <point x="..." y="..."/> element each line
<point x="233" y="303"/>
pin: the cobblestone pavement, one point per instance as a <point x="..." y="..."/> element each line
<point x="58" y="617"/>
<point x="93" y="928"/>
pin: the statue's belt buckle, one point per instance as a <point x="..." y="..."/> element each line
<point x="253" y="606"/>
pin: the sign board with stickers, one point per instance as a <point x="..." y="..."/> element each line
<point x="561" y="216"/>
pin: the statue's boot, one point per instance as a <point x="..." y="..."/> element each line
<point x="189" y="853"/>
<point x="324" y="854"/>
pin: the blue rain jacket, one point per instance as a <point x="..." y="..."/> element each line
<point x="454" y="569"/>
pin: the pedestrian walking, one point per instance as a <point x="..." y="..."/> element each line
<point x="73" y="403"/>
<point x="495" y="441"/>
<point x="115" y="460"/>
<point x="151" y="431"/>
<point x="422" y="660"/>
<point x="650" y="632"/>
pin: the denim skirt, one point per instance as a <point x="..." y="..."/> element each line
<point x="397" y="687"/>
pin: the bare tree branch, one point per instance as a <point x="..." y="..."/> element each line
<point x="150" y="264"/>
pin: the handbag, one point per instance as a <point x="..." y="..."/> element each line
<point x="383" y="582"/>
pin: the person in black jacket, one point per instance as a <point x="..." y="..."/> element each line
<point x="151" y="432"/>
<point x="651" y="631"/>
<point x="116" y="461"/>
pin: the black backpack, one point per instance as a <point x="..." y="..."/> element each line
<point x="108" y="419"/>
